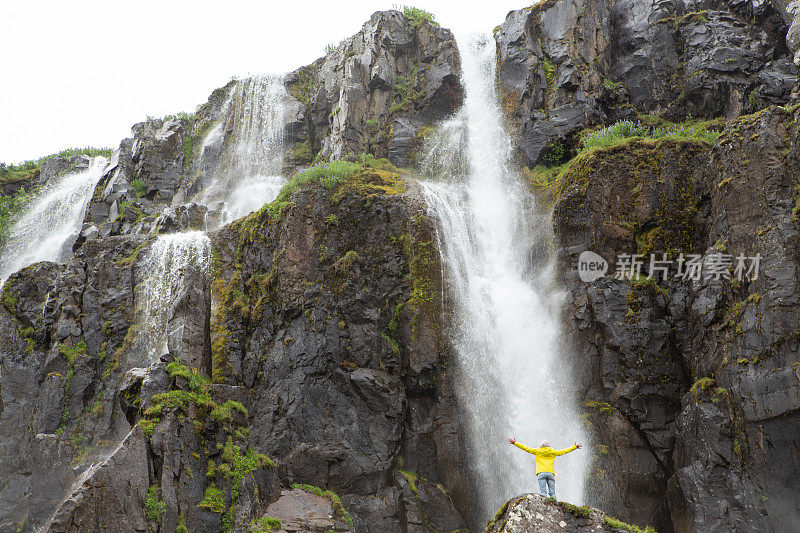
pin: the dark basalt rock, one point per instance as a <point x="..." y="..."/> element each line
<point x="692" y="387"/>
<point x="569" y="64"/>
<point x="376" y="90"/>
<point x="337" y="352"/>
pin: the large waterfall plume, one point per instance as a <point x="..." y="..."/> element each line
<point x="52" y="220"/>
<point x="502" y="302"/>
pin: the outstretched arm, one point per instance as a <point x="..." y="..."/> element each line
<point x="521" y="446"/>
<point x="571" y="448"/>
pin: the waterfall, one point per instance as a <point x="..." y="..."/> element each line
<point x="172" y="260"/>
<point x="51" y="222"/>
<point x="503" y="305"/>
<point x="249" y="174"/>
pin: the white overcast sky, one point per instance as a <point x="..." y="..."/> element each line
<point x="81" y="73"/>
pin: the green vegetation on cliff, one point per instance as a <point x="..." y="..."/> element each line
<point x="627" y="130"/>
<point x="241" y="301"/>
<point x="11" y="206"/>
<point x="13" y="173"/>
<point x="417" y="16"/>
<point x="619" y="524"/>
<point x="623" y="139"/>
<point x="363" y="173"/>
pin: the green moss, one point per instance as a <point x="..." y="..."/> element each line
<point x="9" y="300"/>
<point x="181" y="525"/>
<point x="549" y="71"/>
<point x="304" y="86"/>
<point x="155" y="507"/>
<point x="422" y="268"/>
<point x="235" y="465"/>
<point x="265" y="524"/>
<point x="694" y="17"/>
<point x="71" y="352"/>
<point x="392" y="343"/>
<point x="224" y="412"/>
<point x="11" y="207"/>
<point x="602" y="407"/>
<point x="139" y="188"/>
<point x="700" y="385"/>
<point x="411" y="477"/>
<point x="213" y="500"/>
<point x="346" y="262"/>
<point x="619" y="524"/>
<point x="407" y="90"/>
<point x="579" y="512"/>
<point x="649" y="284"/>
<point x="418" y="16"/>
<point x="336" y="503"/>
<point x="500" y="512"/>
<point x="395" y="321"/>
<point x="148" y="425"/>
<point x="302" y="153"/>
<point x="131" y="258"/>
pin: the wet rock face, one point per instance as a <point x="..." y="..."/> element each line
<point x="344" y="363"/>
<point x="691" y="387"/>
<point x="377" y="90"/>
<point x="61" y="327"/>
<point x="568" y="64"/>
<point x="324" y="345"/>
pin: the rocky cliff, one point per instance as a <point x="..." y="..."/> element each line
<point x="690" y="387"/>
<point x="566" y="65"/>
<point x="309" y="354"/>
<point x="305" y="378"/>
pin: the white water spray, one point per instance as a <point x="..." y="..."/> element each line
<point x="169" y="260"/>
<point x="51" y="223"/>
<point x="250" y="173"/>
<point x="504" y="324"/>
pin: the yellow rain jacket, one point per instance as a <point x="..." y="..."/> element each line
<point x="545" y="457"/>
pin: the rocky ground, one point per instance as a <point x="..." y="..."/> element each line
<point x="533" y="512"/>
<point x="309" y="383"/>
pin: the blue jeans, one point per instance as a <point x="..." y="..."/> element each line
<point x="547" y="483"/>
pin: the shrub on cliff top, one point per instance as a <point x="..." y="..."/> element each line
<point x="625" y="130"/>
<point x="416" y="15"/>
<point x="13" y="172"/>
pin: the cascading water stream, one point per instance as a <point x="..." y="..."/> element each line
<point x="48" y="227"/>
<point x="503" y="304"/>
<point x="247" y="178"/>
<point x="172" y="257"/>
<point x="250" y="172"/>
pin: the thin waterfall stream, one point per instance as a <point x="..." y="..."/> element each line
<point x="52" y="220"/>
<point x="249" y="176"/>
<point x="503" y="304"/>
<point x="173" y="257"/>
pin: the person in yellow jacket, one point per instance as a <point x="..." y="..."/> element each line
<point x="545" y="464"/>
